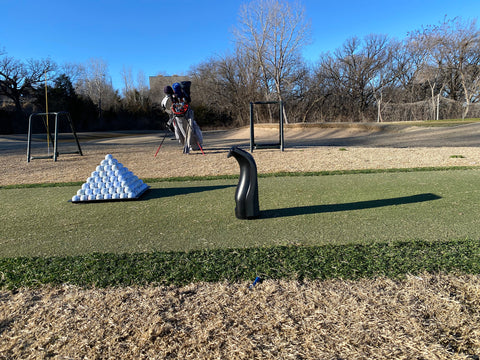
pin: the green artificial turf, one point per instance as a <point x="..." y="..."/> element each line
<point x="199" y="215"/>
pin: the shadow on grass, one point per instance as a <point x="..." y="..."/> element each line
<point x="174" y="191"/>
<point x="360" y="205"/>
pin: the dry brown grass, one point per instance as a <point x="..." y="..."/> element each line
<point x="427" y="317"/>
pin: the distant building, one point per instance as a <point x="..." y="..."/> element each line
<point x="158" y="83"/>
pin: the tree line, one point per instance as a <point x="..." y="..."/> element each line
<point x="433" y="73"/>
<point x="84" y="90"/>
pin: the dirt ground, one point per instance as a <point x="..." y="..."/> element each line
<point x="306" y="149"/>
<point x="420" y="317"/>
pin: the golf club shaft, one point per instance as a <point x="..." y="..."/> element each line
<point x="160" y="145"/>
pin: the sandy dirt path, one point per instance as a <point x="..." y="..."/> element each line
<point x="307" y="149"/>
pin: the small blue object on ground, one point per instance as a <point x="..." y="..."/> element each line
<point x="257" y="279"/>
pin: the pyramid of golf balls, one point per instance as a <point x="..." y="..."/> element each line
<point x="110" y="181"/>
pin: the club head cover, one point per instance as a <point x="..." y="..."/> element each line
<point x="168" y="90"/>
<point x="177" y="89"/>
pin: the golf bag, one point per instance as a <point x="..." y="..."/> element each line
<point x="176" y="103"/>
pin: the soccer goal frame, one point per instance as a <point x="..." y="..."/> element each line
<point x="58" y="116"/>
<point x="281" y="143"/>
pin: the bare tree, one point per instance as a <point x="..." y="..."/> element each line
<point x="273" y="32"/>
<point x="72" y="70"/>
<point x="127" y="78"/>
<point x="17" y="78"/>
<point x="463" y="53"/>
<point x="136" y="96"/>
<point x="128" y="86"/>
<point x="96" y="84"/>
<point x="452" y="62"/>
<point x="227" y="85"/>
<point x="358" y="72"/>
<point x="142" y="88"/>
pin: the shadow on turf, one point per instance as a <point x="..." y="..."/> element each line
<point x="360" y="205"/>
<point x="174" y="191"/>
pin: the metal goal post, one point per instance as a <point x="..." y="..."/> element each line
<point x="58" y="116"/>
<point x="280" y="145"/>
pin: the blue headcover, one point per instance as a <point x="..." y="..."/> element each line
<point x="177" y="89"/>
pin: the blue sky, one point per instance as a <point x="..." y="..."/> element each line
<point x="169" y="37"/>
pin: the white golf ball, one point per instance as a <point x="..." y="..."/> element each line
<point x="83" y="198"/>
<point x="99" y="168"/>
<point x="108" y="157"/>
<point x="107" y="196"/>
<point x="115" y="196"/>
<point x="91" y="197"/>
<point x="99" y="197"/>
